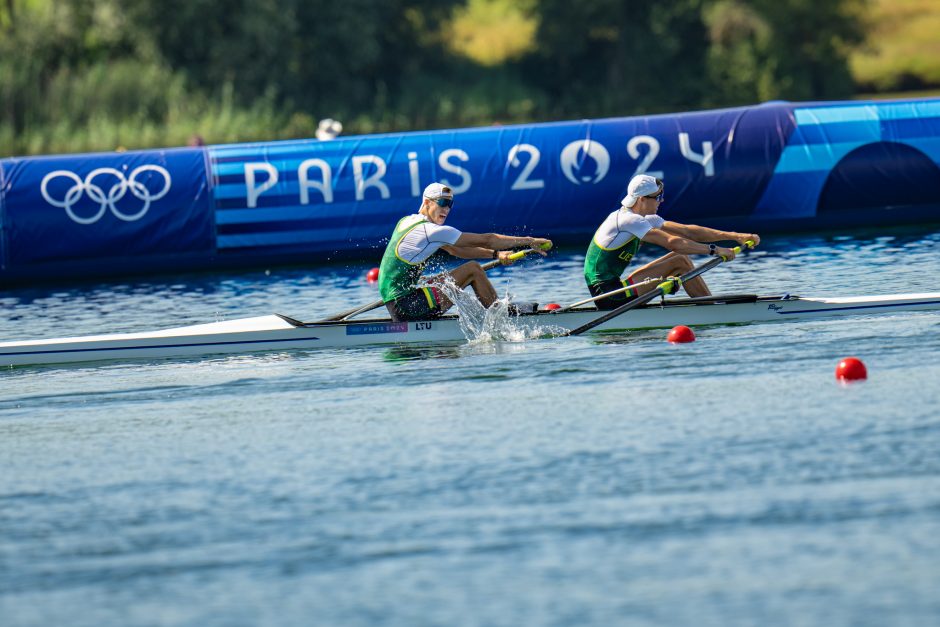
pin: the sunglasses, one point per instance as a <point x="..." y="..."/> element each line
<point x="443" y="202"/>
<point x="658" y="198"/>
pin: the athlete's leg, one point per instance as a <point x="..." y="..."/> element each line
<point x="609" y="302"/>
<point x="472" y="274"/>
<point x="422" y="303"/>
<point x="673" y="264"/>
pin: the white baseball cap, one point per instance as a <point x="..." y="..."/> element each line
<point x="641" y="185"/>
<point x="438" y="190"/>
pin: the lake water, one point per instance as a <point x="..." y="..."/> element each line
<point x="595" y="480"/>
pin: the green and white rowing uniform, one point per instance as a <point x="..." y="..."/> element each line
<point x="615" y="243"/>
<point x="413" y="241"/>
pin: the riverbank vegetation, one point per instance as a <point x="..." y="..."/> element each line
<point x="89" y="75"/>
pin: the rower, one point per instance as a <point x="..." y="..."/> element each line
<point x="417" y="237"/>
<point x="619" y="237"/>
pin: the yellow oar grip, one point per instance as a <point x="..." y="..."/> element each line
<point x="748" y="245"/>
<point x="522" y="253"/>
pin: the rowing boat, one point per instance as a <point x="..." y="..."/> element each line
<point x="282" y="333"/>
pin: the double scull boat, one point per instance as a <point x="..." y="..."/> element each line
<point x="281" y="333"/>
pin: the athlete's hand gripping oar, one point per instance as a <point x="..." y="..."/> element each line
<point x="667" y="287"/>
<point x="349" y="313"/>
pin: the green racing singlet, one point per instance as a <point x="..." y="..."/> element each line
<point x="615" y="243"/>
<point x="413" y="241"/>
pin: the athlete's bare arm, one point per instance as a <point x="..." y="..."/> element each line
<point x="495" y="241"/>
<point x="682" y="245"/>
<point x="704" y="234"/>
<point x="469" y="252"/>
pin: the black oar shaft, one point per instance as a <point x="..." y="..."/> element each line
<point x="349" y="313"/>
<point x="489" y="265"/>
<point x="651" y="295"/>
<point x="607" y="294"/>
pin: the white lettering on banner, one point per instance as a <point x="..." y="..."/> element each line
<point x="706" y="159"/>
<point x="373" y="180"/>
<point x="325" y="185"/>
<point x="444" y="162"/>
<point x="582" y="161"/>
<point x="413" y="171"/>
<point x="589" y="149"/>
<point x="254" y="191"/>
<point x="523" y="181"/>
<point x="634" y="152"/>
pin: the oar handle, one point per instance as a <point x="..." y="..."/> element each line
<point x="747" y="245"/>
<point x="666" y="286"/>
<point x="517" y="256"/>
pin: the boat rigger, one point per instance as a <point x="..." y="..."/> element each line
<point x="282" y="333"/>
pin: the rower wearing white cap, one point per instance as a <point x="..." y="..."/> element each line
<point x="417" y="237"/>
<point x="619" y="237"/>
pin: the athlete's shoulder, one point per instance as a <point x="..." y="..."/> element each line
<point x="409" y="221"/>
<point x="442" y="233"/>
<point x="626" y="217"/>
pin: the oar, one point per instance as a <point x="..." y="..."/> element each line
<point x="349" y="313"/>
<point x="661" y="290"/>
<point x="606" y="294"/>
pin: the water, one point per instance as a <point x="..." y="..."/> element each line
<point x="599" y="480"/>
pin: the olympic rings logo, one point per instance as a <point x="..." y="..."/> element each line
<point x="97" y="194"/>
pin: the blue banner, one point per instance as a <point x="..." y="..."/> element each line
<point x="107" y="209"/>
<point x="556" y="179"/>
<point x="771" y="167"/>
<point x="853" y="157"/>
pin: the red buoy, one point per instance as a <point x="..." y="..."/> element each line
<point x="680" y="335"/>
<point x="372" y="275"/>
<point x="851" y="369"/>
<point x="552" y="306"/>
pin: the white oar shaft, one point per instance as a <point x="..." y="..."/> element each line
<point x="610" y="293"/>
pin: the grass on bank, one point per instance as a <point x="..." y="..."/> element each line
<point x="128" y="105"/>
<point x="902" y="49"/>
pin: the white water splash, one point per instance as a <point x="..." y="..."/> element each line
<point x="480" y="324"/>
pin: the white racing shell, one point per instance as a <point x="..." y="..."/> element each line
<point x="280" y="333"/>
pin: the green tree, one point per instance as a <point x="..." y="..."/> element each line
<point x="608" y="57"/>
<point x="319" y="55"/>
<point x="810" y="45"/>
<point x="781" y="49"/>
<point x="739" y="67"/>
<point x="94" y="74"/>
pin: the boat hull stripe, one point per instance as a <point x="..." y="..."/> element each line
<point x="149" y="346"/>
<point x="880" y="306"/>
